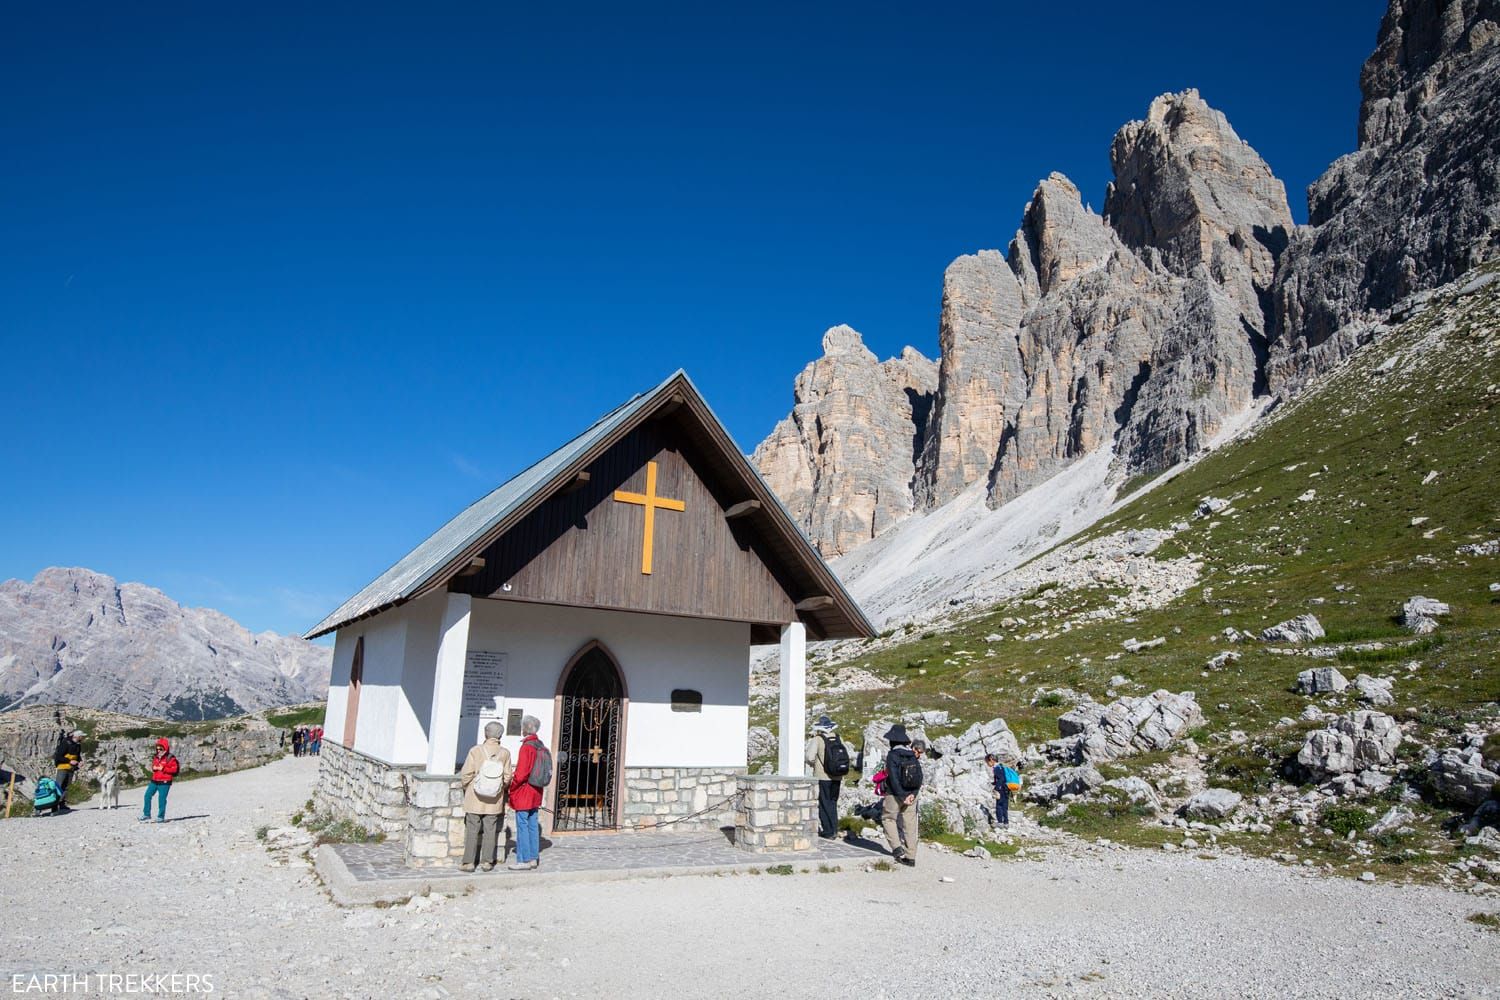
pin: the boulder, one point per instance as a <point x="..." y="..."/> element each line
<point x="1212" y="804"/>
<point x="1093" y="732"/>
<point x="955" y="780"/>
<point x="1375" y="690"/>
<point x="1460" y="776"/>
<point x="1351" y="743"/>
<point x="1137" y="790"/>
<point x="1321" y="680"/>
<point x="1488" y="838"/>
<point x="1420" y="614"/>
<point x="1299" y="629"/>
<point x="1221" y="660"/>
<point x="1391" y="821"/>
<point x="1209" y="506"/>
<point x="1069" y="781"/>
<point x="760" y="742"/>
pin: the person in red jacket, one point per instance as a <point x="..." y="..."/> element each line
<point x="526" y="798"/>
<point x="164" y="768"/>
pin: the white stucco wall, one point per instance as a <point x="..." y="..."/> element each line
<point x="655" y="653"/>
<point x="400" y="648"/>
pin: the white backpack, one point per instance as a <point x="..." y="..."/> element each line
<point x="491" y="780"/>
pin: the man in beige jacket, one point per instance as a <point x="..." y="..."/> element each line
<point x="482" y="810"/>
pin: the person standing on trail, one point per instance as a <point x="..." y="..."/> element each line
<point x="1001" y="777"/>
<point x="164" y="768"/>
<point x="296" y="741"/>
<point x="533" y="771"/>
<point x="903" y="779"/>
<point x="828" y="760"/>
<point x="67" y="758"/>
<point x="317" y="740"/>
<point x="485" y="774"/>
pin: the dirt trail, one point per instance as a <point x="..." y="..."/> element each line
<point x="93" y="891"/>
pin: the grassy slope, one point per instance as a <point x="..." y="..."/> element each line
<point x="1273" y="556"/>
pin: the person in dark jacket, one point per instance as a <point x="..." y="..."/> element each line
<point x="164" y="768"/>
<point x="1002" y="790"/>
<point x="67" y="758"/>
<point x="526" y="798"/>
<point x="296" y="741"/>
<point x="903" y="779"/>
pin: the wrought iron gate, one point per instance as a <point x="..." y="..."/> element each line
<point x="588" y="751"/>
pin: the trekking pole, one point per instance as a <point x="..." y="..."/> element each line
<point x="10" y="794"/>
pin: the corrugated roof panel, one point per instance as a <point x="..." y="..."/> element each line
<point x="408" y="575"/>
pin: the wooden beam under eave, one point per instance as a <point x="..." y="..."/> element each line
<point x="742" y="509"/>
<point x="578" y="482"/>
<point x="814" y="603"/>
<point x="475" y="565"/>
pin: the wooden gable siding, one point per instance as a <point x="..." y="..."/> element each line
<point x="583" y="547"/>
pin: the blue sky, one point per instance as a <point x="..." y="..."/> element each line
<point x="281" y="290"/>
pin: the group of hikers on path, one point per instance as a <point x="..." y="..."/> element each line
<point x="50" y="796"/>
<point x="897" y="786"/>
<point x="307" y="741"/>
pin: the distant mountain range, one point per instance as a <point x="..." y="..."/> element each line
<point x="73" y="636"/>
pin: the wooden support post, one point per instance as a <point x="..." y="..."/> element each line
<point x="815" y="603"/>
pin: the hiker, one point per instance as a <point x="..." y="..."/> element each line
<point x="317" y="740"/>
<point x="533" y="771"/>
<point x="1001" y="776"/>
<point x="67" y="758"/>
<point x="164" y="768"/>
<point x="485" y="773"/>
<point x="919" y="747"/>
<point x="828" y="759"/>
<point x="296" y="741"/>
<point x="903" y="779"/>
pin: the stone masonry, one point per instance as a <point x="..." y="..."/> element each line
<point x="357" y="787"/>
<point x="654" y="795"/>
<point x="435" y="821"/>
<point x="776" y="813"/>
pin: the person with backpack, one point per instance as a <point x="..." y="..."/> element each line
<point x="66" y="758"/>
<point x="828" y="760"/>
<point x="533" y="773"/>
<point x="164" y="768"/>
<point x="1006" y="781"/>
<point x="903" y="779"/>
<point x="296" y="741"/>
<point x="485" y="774"/>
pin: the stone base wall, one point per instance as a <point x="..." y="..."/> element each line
<point x="434" y="834"/>
<point x="776" y="813"/>
<point x="654" y="795"/>
<point x="354" y="786"/>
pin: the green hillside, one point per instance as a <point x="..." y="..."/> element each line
<point x="1343" y="504"/>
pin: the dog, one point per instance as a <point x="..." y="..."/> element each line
<point x="109" y="789"/>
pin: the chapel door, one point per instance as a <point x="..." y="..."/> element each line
<point x="587" y="754"/>
<point x="356" y="681"/>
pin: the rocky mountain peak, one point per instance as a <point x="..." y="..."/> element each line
<point x="843" y="339"/>
<point x="1059" y="238"/>
<point x="1187" y="186"/>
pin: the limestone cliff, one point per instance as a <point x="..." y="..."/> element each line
<point x="1416" y="205"/>
<point x="842" y="462"/>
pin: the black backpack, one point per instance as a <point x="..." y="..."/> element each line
<point x="835" y="757"/>
<point x="909" y="771"/>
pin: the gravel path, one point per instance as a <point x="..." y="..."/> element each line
<point x="93" y="891"/>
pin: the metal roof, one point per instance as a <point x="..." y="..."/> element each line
<point x="419" y="570"/>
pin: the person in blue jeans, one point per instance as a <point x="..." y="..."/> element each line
<point x="1002" y="790"/>
<point x="526" y="797"/>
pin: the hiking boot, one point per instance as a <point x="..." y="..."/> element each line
<point x="899" y="854"/>
<point x="161" y="819"/>
<point x="490" y="867"/>
<point x="465" y="867"/>
<point x="520" y="866"/>
<point x="908" y="860"/>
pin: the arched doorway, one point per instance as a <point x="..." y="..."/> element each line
<point x="591" y="702"/>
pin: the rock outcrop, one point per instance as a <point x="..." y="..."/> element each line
<point x="1140" y="332"/>
<point x="1353" y="742"/>
<point x="77" y="637"/>
<point x="843" y="461"/>
<point x="1416" y="205"/>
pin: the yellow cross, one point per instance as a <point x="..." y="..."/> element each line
<point x="651" y="502"/>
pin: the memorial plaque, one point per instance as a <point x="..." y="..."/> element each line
<point x="484" y="685"/>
